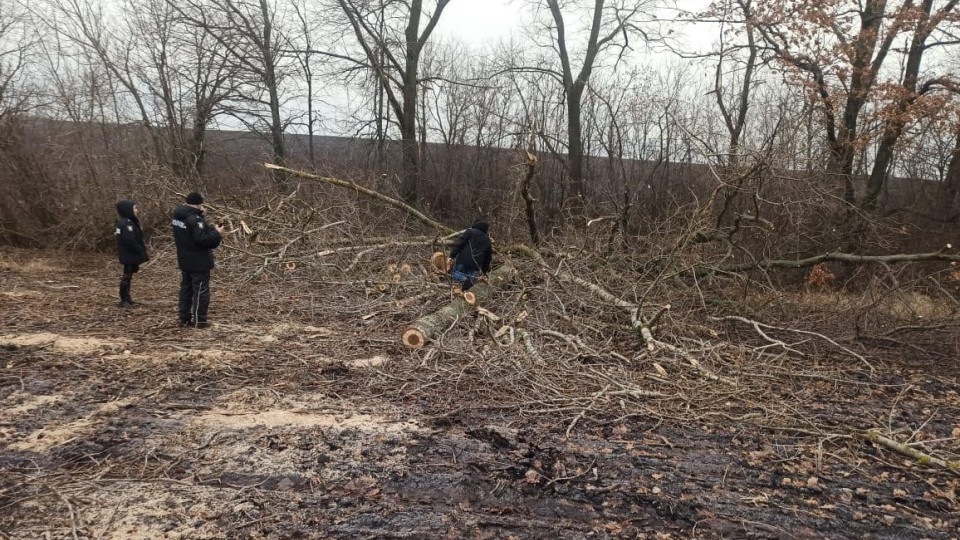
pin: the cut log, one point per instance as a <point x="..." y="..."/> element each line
<point x="430" y="326"/>
<point x="439" y="262"/>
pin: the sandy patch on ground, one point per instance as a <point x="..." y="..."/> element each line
<point x="55" y="435"/>
<point x="66" y="344"/>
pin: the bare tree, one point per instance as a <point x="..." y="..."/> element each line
<point x="806" y="36"/>
<point x="17" y="43"/>
<point x="736" y="59"/>
<point x="304" y="51"/>
<point x="85" y="25"/>
<point x="394" y="58"/>
<point x="611" y="23"/>
<point x="248" y="32"/>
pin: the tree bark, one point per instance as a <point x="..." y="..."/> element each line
<point x="528" y="201"/>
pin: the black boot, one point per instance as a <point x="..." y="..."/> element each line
<point x="125" y="301"/>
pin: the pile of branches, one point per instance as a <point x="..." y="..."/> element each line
<point x="288" y="232"/>
<point x="583" y="335"/>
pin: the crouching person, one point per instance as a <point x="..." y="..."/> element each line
<point x="470" y="257"/>
<point x="195" y="241"/>
<point x="131" y="250"/>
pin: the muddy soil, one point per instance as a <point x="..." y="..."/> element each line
<point x="117" y="424"/>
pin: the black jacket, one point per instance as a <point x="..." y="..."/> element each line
<point x="130" y="246"/>
<point x="473" y="249"/>
<point x="195" y="240"/>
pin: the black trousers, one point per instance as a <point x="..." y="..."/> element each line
<point x="126" y="279"/>
<point x="194" y="296"/>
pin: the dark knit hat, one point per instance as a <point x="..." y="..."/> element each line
<point x="194" y="198"/>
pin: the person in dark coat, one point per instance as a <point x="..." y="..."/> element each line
<point x="131" y="250"/>
<point x="195" y="241"/>
<point x="470" y="257"/>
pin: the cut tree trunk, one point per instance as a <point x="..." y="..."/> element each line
<point x="430" y="326"/>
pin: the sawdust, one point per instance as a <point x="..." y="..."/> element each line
<point x="373" y="361"/>
<point x="205" y="354"/>
<point x="127" y="510"/>
<point x="20" y="294"/>
<point x="201" y="356"/>
<point x="55" y="435"/>
<point x="305" y="419"/>
<point x="289" y="329"/>
<point x="29" y="403"/>
<point x="130" y="357"/>
<point x="317" y="331"/>
<point x="33" y="266"/>
<point x="66" y="344"/>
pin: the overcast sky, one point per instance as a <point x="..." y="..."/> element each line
<point x="479" y="22"/>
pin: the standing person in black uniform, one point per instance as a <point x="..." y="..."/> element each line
<point x="470" y="257"/>
<point x="195" y="241"/>
<point x="131" y="250"/>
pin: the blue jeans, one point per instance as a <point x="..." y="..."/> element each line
<point x="467" y="278"/>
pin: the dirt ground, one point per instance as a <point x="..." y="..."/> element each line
<point x="297" y="416"/>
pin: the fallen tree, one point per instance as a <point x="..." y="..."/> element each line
<point x="368" y="192"/>
<point x="850" y="258"/>
<point x="644" y="324"/>
<point x="430" y="326"/>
